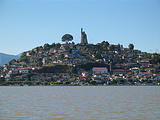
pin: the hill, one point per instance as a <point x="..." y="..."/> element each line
<point x="83" y="64"/>
<point x="5" y="58"/>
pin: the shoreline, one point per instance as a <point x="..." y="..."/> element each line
<point x="79" y="85"/>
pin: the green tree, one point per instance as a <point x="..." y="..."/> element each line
<point x="98" y="55"/>
<point x="105" y="43"/>
<point x="155" y="58"/>
<point x="111" y="47"/>
<point x="46" y="46"/>
<point x="53" y="45"/>
<point x="131" y="46"/>
<point x="12" y="61"/>
<point x="23" y="58"/>
<point x="61" y="56"/>
<point x="58" y="45"/>
<point x="67" y="37"/>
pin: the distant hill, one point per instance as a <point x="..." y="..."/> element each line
<point x="5" y="58"/>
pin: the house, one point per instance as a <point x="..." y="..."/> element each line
<point x="135" y="69"/>
<point x="101" y="70"/>
<point x="84" y="74"/>
<point x="150" y="70"/>
<point x="24" y="70"/>
<point x="13" y="72"/>
<point x="28" y="54"/>
<point x="98" y="80"/>
<point x="45" y="60"/>
<point x="145" y="61"/>
<point x="52" y="51"/>
<point x="158" y="76"/>
<point x="65" y="47"/>
<point x="120" y="71"/>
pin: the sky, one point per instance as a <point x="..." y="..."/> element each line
<point x="26" y="24"/>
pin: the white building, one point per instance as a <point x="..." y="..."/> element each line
<point x="13" y="72"/>
<point x="101" y="70"/>
<point x="84" y="74"/>
<point x="24" y="70"/>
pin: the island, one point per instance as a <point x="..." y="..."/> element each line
<point x="82" y="64"/>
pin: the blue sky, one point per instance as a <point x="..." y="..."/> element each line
<point x="25" y="24"/>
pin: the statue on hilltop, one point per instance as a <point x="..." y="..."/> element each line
<point x="83" y="37"/>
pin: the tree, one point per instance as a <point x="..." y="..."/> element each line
<point x="62" y="56"/>
<point x="105" y="43"/>
<point x="111" y="47"/>
<point x="53" y="44"/>
<point x="23" y="58"/>
<point x="46" y="46"/>
<point x="67" y="37"/>
<point x="155" y="58"/>
<point x="12" y="61"/>
<point x="98" y="55"/>
<point x="58" y="45"/>
<point x="131" y="46"/>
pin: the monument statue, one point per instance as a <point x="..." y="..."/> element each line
<point x="83" y="37"/>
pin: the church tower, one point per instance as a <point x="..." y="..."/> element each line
<point x="83" y="37"/>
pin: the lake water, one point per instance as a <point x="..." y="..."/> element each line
<point x="80" y="103"/>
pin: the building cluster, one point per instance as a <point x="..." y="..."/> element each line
<point x="111" y="65"/>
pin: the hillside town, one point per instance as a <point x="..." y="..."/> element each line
<point x="82" y="64"/>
